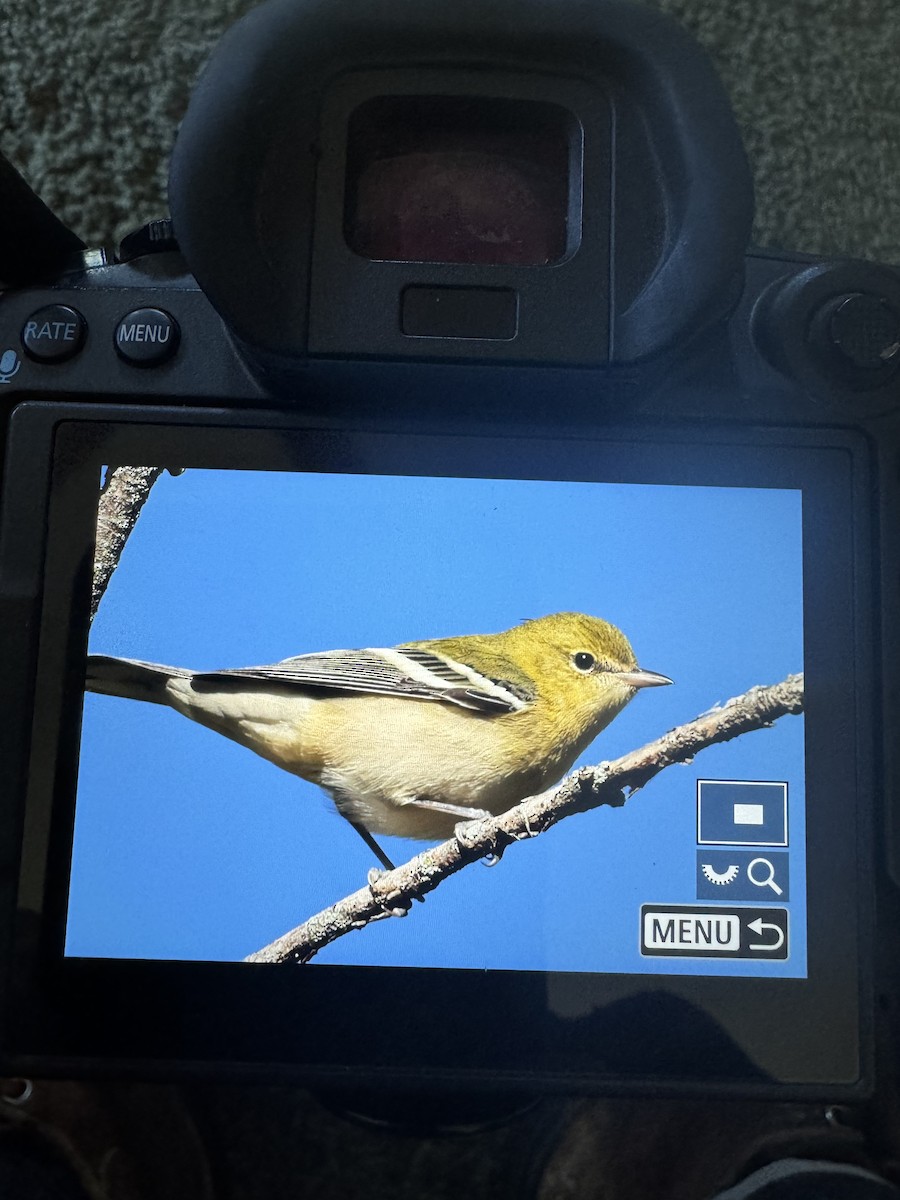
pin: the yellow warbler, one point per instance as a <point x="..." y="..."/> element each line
<point x="410" y="740"/>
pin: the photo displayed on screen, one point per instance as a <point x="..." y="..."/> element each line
<point x="190" y="845"/>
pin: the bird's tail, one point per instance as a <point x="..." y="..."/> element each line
<point x="129" y="678"/>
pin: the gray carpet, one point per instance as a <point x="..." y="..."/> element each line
<point x="91" y="94"/>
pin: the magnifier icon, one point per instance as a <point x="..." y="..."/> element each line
<point x="768" y="875"/>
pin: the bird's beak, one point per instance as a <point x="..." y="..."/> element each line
<point x="639" y="678"/>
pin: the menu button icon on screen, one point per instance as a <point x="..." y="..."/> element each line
<point x="701" y="931"/>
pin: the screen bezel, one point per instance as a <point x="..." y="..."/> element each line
<point x="752" y="1036"/>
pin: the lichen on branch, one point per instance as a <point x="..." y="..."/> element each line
<point x="122" y="497"/>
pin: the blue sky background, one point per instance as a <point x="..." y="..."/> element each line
<point x="188" y="846"/>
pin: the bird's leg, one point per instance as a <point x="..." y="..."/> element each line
<point x="373" y="846"/>
<point x="453" y="810"/>
<point x="385" y="862"/>
<point x="470" y="816"/>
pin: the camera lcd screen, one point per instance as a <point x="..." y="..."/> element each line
<point x="190" y="846"/>
<point x="707" y="930"/>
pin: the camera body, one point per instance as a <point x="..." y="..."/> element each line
<point x="504" y="242"/>
<point x="588" y="212"/>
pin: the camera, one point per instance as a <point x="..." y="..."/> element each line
<point x="455" y="324"/>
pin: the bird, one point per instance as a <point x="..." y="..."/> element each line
<point x="411" y="740"/>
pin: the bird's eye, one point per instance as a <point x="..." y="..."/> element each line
<point x="582" y="661"/>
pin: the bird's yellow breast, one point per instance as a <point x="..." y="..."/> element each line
<point x="375" y="754"/>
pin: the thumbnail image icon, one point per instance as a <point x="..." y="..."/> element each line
<point x="741" y="813"/>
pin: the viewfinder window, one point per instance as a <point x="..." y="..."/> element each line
<point x="458" y="179"/>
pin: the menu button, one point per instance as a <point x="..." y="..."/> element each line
<point x="147" y="337"/>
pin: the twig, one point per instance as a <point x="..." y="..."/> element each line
<point x="391" y="893"/>
<point x="121" y="500"/>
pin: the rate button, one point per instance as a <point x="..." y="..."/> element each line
<point x="53" y="333"/>
<point x="147" y="337"/>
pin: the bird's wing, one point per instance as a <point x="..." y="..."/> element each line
<point x="404" y="671"/>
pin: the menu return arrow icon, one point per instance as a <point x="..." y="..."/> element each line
<point x="758" y="926"/>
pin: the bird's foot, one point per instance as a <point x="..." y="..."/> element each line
<point x="391" y="905"/>
<point x="527" y="833"/>
<point x="530" y="832"/>
<point x="468" y="834"/>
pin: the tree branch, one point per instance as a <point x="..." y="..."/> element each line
<point x="391" y="893"/>
<point x="121" y="500"/>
